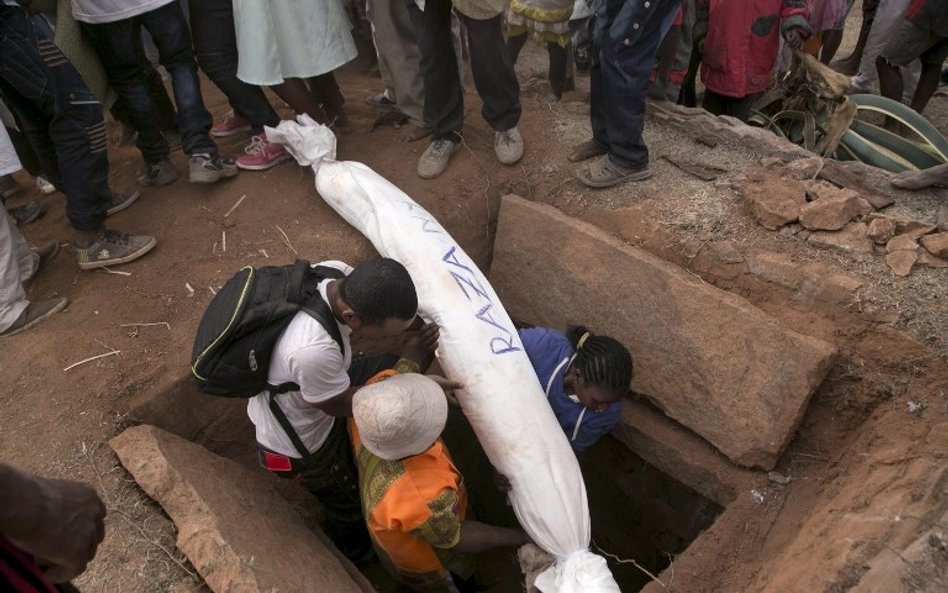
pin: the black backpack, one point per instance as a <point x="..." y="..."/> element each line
<point x="241" y="325"/>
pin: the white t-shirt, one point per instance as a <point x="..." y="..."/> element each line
<point x="306" y="355"/>
<point x="9" y="163"/>
<point x="109" y="11"/>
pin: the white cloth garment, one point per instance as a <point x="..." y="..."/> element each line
<point x="110" y="11"/>
<point x="18" y="263"/>
<point x="306" y="355"/>
<point x="284" y="39"/>
<point x="479" y="347"/>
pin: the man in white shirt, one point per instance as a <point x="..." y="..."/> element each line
<point x="375" y="300"/>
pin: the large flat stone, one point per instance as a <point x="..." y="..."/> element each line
<point x="707" y="358"/>
<point x="237" y="531"/>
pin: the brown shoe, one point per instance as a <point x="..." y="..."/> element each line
<point x="35" y="313"/>
<point x="586" y="151"/>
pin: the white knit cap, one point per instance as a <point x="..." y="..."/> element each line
<point x="401" y="416"/>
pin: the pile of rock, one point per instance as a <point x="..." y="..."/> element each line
<point x="788" y="197"/>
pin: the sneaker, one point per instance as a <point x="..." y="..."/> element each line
<point x="26" y="213"/>
<point x="261" y="154"/>
<point x="381" y="101"/>
<point x="157" y="174"/>
<point x="508" y="146"/>
<point x="46" y="188"/>
<point x="112" y="248"/>
<point x="231" y="124"/>
<point x="207" y="169"/>
<point x="35" y="313"/>
<point x="435" y="159"/>
<point x="46" y="253"/>
<point x="121" y="201"/>
<point x="8" y="187"/>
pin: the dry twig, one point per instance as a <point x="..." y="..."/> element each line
<point x="632" y="562"/>
<point x="164" y="323"/>
<point x="236" y="204"/>
<point x="286" y="240"/>
<point x="91" y="358"/>
<point x="116" y="272"/>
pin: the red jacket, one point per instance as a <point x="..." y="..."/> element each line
<point x="743" y="39"/>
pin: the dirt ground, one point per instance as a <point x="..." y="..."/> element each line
<point x="866" y="461"/>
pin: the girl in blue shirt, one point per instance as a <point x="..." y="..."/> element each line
<point x="584" y="376"/>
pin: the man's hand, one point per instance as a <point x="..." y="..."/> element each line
<point x="795" y="31"/>
<point x="61" y="527"/>
<point x="449" y="388"/>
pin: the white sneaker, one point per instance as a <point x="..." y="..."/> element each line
<point x="435" y="159"/>
<point x="44" y="186"/>
<point x="508" y="146"/>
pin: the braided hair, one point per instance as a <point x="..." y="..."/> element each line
<point x="601" y="360"/>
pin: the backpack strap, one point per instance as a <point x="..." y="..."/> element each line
<point x="285" y="422"/>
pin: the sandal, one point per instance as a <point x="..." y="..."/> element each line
<point x="604" y="173"/>
<point x="586" y="151"/>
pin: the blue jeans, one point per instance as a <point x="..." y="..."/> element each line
<point x="215" y="43"/>
<point x="117" y="42"/>
<point x="620" y="71"/>
<point x="58" y="114"/>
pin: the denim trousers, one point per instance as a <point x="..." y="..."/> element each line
<point x="494" y="75"/>
<point x="58" y="114"/>
<point x="117" y="45"/>
<point x="626" y="37"/>
<point x="215" y="46"/>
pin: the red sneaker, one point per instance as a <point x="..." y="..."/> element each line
<point x="261" y="154"/>
<point x="232" y="124"/>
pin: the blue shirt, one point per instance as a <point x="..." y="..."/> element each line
<point x="550" y="353"/>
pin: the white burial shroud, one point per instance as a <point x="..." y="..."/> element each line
<point x="480" y="348"/>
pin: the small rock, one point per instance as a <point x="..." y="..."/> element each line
<point x="790" y="229"/>
<point x="727" y="253"/>
<point x="831" y="213"/>
<point x="901" y="262"/>
<point x="770" y="162"/>
<point x="942" y="218"/>
<point x="881" y="230"/>
<point x="708" y="139"/>
<point x="854" y="238"/>
<point x="936" y="244"/>
<point x="757" y="496"/>
<point x="901" y="243"/>
<point x="801" y="169"/>
<point x="778" y="268"/>
<point x="778" y="478"/>
<point x="916" y="228"/>
<point x="930" y="261"/>
<point x="774" y="202"/>
<point x="915" y="407"/>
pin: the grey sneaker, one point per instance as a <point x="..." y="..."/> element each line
<point x="35" y="313"/>
<point x="158" y="174"/>
<point x="207" y="169"/>
<point x="122" y="200"/>
<point x="26" y="213"/>
<point x="435" y="159"/>
<point x="112" y="248"/>
<point x="508" y="146"/>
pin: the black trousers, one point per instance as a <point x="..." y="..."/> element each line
<point x="739" y="107"/>
<point x="330" y="473"/>
<point x="215" y="47"/>
<point x="494" y="75"/>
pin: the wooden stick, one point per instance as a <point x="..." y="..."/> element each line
<point x="213" y="292"/>
<point x="91" y="358"/>
<point x="116" y="272"/>
<point x="234" y="207"/>
<point x="286" y="241"/>
<point x="223" y="240"/>
<point x="190" y="288"/>
<point x="264" y="253"/>
<point x="164" y="323"/>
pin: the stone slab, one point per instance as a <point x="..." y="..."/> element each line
<point x="707" y="358"/>
<point x="680" y="453"/>
<point x="237" y="531"/>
